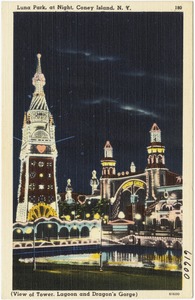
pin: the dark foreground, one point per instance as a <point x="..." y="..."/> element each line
<point x="68" y="277"/>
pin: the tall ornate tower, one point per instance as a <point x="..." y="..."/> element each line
<point x="108" y="171"/>
<point x="156" y="150"/>
<point x="155" y="171"/>
<point x="37" y="191"/>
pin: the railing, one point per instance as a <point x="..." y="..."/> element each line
<point x="59" y="242"/>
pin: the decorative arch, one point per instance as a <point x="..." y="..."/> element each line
<point x="136" y="189"/>
<point x="177" y="205"/>
<point x="131" y="185"/>
<point x="95" y="232"/>
<point x="160" y="244"/>
<point x="166" y="207"/>
<point x="40" y="134"/>
<point x="164" y="222"/>
<point x="177" y="245"/>
<point x="41" y="210"/>
<point x="160" y="159"/>
<point x="178" y="223"/>
<point x="29" y="245"/>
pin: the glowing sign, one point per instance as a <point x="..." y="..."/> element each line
<point x="136" y="183"/>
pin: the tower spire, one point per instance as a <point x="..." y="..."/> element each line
<point x="39" y="71"/>
<point x="38" y="100"/>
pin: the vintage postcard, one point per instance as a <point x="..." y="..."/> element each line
<point x="97" y="142"/>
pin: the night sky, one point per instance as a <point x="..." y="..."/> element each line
<point x="109" y="76"/>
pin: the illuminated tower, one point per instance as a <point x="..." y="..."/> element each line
<point x="37" y="191"/>
<point x="156" y="150"/>
<point x="108" y="171"/>
<point x="155" y="171"/>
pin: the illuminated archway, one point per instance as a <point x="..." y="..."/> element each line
<point x="41" y="210"/>
<point x="128" y="194"/>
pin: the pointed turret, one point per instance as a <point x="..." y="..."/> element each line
<point x="132" y="167"/>
<point x="38" y="100"/>
<point x="155" y="134"/>
<point x="108" y="150"/>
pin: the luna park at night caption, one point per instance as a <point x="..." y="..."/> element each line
<point x="71" y="7"/>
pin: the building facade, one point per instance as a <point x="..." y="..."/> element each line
<point x="155" y="194"/>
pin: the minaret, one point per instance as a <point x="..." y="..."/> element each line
<point x="108" y="171"/>
<point x="155" y="170"/>
<point x="69" y="189"/>
<point x="94" y="182"/>
<point x="132" y="167"/>
<point x="37" y="191"/>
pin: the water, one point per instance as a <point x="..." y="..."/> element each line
<point x="159" y="259"/>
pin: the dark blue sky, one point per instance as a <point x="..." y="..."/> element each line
<point x="108" y="76"/>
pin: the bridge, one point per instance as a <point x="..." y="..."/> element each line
<point x="152" y="241"/>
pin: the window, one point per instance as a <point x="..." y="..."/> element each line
<point x="50" y="187"/>
<point x="41" y="198"/>
<point x="40" y="164"/>
<point x="32" y="175"/>
<point x="32" y="199"/>
<point x="32" y="186"/>
<point x="50" y="198"/>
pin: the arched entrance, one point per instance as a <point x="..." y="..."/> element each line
<point x="177" y="222"/>
<point x="47" y="231"/>
<point x="17" y="234"/>
<point x="85" y="232"/>
<point x="129" y="196"/>
<point x="74" y="232"/>
<point x="63" y="233"/>
<point x="164" y="222"/>
<point x="28" y="234"/>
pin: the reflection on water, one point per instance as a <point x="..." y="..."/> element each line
<point x="166" y="261"/>
<point x="160" y="259"/>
